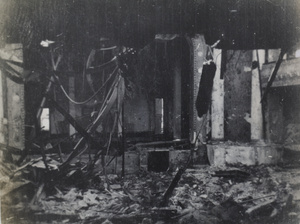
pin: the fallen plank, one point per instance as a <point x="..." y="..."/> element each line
<point x="254" y="199"/>
<point x="73" y="122"/>
<point x="171" y="187"/>
<point x="262" y="208"/>
<point x="237" y="174"/>
<point x="173" y="184"/>
<point x="165" y="211"/>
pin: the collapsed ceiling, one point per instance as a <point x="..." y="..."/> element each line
<point x="238" y="24"/>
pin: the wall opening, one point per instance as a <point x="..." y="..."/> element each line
<point x="158" y="161"/>
<point x="297" y="53"/>
<point x="283" y="115"/>
<point x="45" y="120"/>
<point x="159" y="116"/>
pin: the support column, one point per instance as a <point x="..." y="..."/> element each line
<point x="2" y="120"/>
<point x="237" y="96"/>
<point x="177" y="103"/>
<point x="217" y="107"/>
<point x="13" y="99"/>
<point x="256" y="106"/>
<point x="199" y="48"/>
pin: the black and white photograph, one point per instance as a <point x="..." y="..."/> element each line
<point x="150" y="111"/>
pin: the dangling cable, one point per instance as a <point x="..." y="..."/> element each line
<point x="89" y="99"/>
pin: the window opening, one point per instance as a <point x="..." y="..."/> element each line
<point x="45" y="120"/>
<point x="159" y="116"/>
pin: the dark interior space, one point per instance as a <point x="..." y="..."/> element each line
<point x="158" y="161"/>
<point x="162" y="81"/>
<point x="176" y="54"/>
<point x="150" y="111"/>
<point x="286" y="118"/>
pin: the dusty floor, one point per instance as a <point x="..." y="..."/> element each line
<point x="205" y="194"/>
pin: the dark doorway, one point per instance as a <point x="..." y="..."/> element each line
<point x="173" y="84"/>
<point x="158" y="161"/>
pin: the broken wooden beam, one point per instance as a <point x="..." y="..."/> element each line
<point x="72" y="121"/>
<point x="110" y="99"/>
<point x="264" y="208"/>
<point x="236" y="174"/>
<point x="10" y="72"/>
<point x="254" y="199"/>
<point x="174" y="183"/>
<point x="171" y="188"/>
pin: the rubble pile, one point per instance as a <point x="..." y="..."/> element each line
<point x="205" y="194"/>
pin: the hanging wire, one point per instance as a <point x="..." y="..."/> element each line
<point x="89" y="99"/>
<point x="102" y="108"/>
<point x="76" y="151"/>
<point x="111" y="133"/>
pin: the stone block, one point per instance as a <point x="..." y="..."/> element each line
<point x="132" y="163"/>
<point x="216" y="155"/>
<point x="246" y="154"/>
<point x="143" y="152"/>
<point x="240" y="155"/>
<point x="178" y="158"/>
<point x="268" y="154"/>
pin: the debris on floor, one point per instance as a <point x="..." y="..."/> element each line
<point x="204" y="194"/>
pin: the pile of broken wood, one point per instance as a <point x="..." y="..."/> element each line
<point x="203" y="195"/>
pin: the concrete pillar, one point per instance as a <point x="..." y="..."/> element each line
<point x="199" y="47"/>
<point x="217" y="107"/>
<point x="2" y="120"/>
<point x="256" y="106"/>
<point x="177" y="103"/>
<point x="237" y="96"/>
<point x="14" y="109"/>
